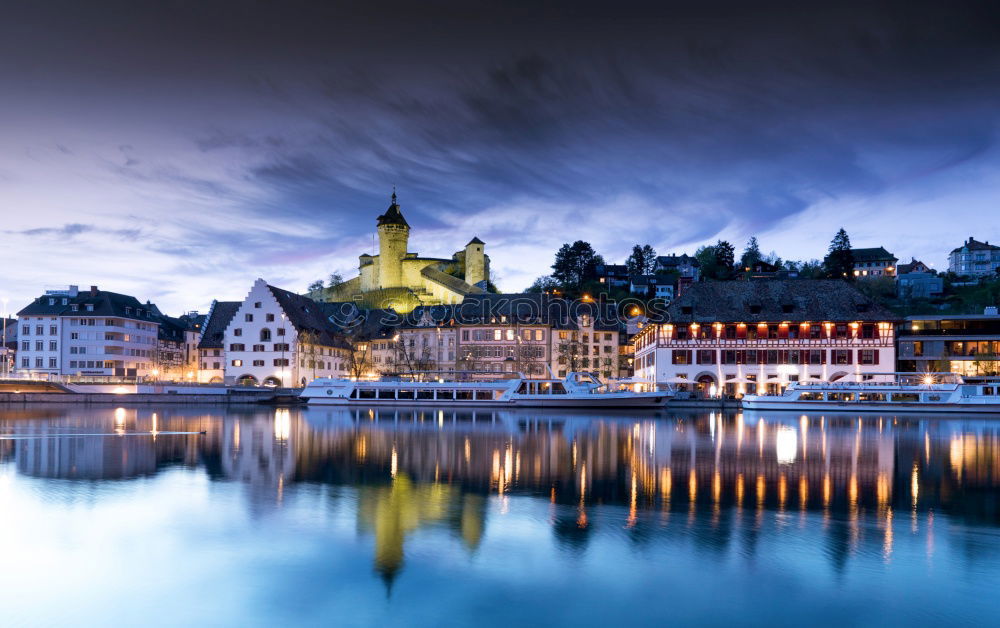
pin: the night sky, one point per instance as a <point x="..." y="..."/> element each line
<point x="179" y="150"/>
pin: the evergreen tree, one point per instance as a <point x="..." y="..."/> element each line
<point x="751" y="254"/>
<point x="315" y="286"/>
<point x="725" y="255"/>
<point x="642" y="261"/>
<point x="839" y="263"/>
<point x="575" y="265"/>
<point x="650" y="254"/>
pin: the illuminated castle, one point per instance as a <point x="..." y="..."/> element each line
<point x="398" y="279"/>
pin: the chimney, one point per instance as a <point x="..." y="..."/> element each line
<point x="93" y="291"/>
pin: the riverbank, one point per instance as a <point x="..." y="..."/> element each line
<point x="100" y="398"/>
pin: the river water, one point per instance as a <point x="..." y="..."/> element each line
<point x="360" y="517"/>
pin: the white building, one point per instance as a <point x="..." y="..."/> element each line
<point x="95" y="333"/>
<point x="739" y="336"/>
<point x="276" y="337"/>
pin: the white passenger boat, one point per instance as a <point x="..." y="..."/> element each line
<point x="577" y="390"/>
<point x="911" y="392"/>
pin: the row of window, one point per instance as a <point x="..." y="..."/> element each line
<point x="772" y="356"/>
<point x="265" y="334"/>
<point x="277" y="362"/>
<point x="278" y="346"/>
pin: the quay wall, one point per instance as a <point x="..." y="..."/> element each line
<point x="98" y="398"/>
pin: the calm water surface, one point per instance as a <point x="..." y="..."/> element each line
<point x="434" y="518"/>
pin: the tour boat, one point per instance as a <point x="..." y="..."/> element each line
<point x="577" y="390"/>
<point x="916" y="392"/>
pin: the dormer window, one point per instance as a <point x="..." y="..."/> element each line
<point x="90" y="307"/>
<point x="687" y="309"/>
<point x="787" y="308"/>
<point x="755" y="309"/>
<point x="128" y="311"/>
<point x="75" y="307"/>
<point x="52" y="301"/>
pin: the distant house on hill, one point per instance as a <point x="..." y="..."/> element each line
<point x="975" y="258"/>
<point x="873" y="263"/>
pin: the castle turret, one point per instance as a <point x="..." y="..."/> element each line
<point x="393" y="237"/>
<point x="475" y="262"/>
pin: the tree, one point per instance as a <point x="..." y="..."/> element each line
<point x="839" y="263"/>
<point x="642" y="261"/>
<point x="335" y="280"/>
<point x="570" y="353"/>
<point x="545" y="283"/>
<point x="576" y="264"/>
<point x="315" y="286"/>
<point x="725" y="254"/>
<point x="706" y="261"/>
<point x="751" y="254"/>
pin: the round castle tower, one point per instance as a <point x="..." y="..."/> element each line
<point x="393" y="236"/>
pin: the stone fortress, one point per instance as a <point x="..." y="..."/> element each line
<point x="401" y="280"/>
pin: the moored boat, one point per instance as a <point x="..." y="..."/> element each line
<point x="577" y="390"/>
<point x="912" y="392"/>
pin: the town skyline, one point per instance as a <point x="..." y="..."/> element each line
<point x="263" y="142"/>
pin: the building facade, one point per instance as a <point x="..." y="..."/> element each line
<point x="279" y="338"/>
<point x="873" y="263"/>
<point x="743" y="337"/>
<point x="968" y="345"/>
<point x="87" y="333"/>
<point x="211" y="342"/>
<point x="975" y="259"/>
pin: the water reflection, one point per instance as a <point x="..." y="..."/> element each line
<point x="723" y="482"/>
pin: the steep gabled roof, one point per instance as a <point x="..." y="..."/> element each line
<point x="872" y="255"/>
<point x="794" y="300"/>
<point x="214" y="329"/>
<point x="306" y="315"/>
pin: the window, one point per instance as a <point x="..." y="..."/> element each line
<point x="90" y="307"/>
<point x="238" y="331"/>
<point x="39" y="330"/>
<point x="237" y="362"/>
<point x="39" y="345"/>
<point x="257" y="305"/>
<point x="497" y="334"/>
<point x="52" y="345"/>
<point x="53" y="330"/>
<point x="258" y="348"/>
<point x="25" y="363"/>
<point x="38" y="363"/>
<point x="237" y="347"/>
<point x="280" y="331"/>
<point x="539" y="334"/>
<point x="868" y="330"/>
<point x="681" y="356"/>
<point x="284" y="362"/>
<point x="265" y="335"/>
<point x="52" y="363"/>
<point x="706" y="356"/>
<point x="869" y="356"/>
<point x="465" y="335"/>
<point x="248" y="318"/>
<point x="25" y="345"/>
<point x="258" y="362"/>
<point x="842" y="356"/>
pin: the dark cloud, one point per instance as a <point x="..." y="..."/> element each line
<point x="74" y="229"/>
<point x="704" y="116"/>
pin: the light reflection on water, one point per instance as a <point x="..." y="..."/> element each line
<point x="436" y="517"/>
